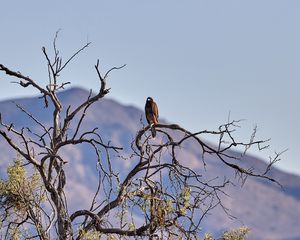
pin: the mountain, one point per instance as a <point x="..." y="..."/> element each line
<point x="270" y="211"/>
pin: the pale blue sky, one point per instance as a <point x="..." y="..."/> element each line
<point x="207" y="58"/>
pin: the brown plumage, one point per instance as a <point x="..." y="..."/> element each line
<point x="151" y="112"/>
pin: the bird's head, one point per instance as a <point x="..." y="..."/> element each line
<point x="149" y="99"/>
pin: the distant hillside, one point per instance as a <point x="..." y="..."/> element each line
<point x="270" y="212"/>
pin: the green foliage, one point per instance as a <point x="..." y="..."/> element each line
<point x="237" y="234"/>
<point x="15" y="234"/>
<point x="208" y="236"/>
<point x="131" y="227"/>
<point x="185" y="197"/>
<point x="20" y="191"/>
<point x="21" y="195"/>
<point x="89" y="235"/>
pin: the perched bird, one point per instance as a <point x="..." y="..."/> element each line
<point x="151" y="112"/>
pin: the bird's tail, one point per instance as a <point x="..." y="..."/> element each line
<point x="153" y="131"/>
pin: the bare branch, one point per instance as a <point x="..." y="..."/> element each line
<point x="168" y="196"/>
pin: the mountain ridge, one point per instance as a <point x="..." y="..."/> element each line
<point x="119" y="124"/>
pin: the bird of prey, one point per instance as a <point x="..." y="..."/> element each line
<point x="151" y="112"/>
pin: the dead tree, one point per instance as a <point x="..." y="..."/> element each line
<point x="160" y="197"/>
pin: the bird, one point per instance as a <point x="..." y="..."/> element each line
<point x="151" y="112"/>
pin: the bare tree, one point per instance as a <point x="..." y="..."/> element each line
<point x="160" y="197"/>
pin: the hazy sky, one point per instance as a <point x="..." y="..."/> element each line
<point x="199" y="59"/>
